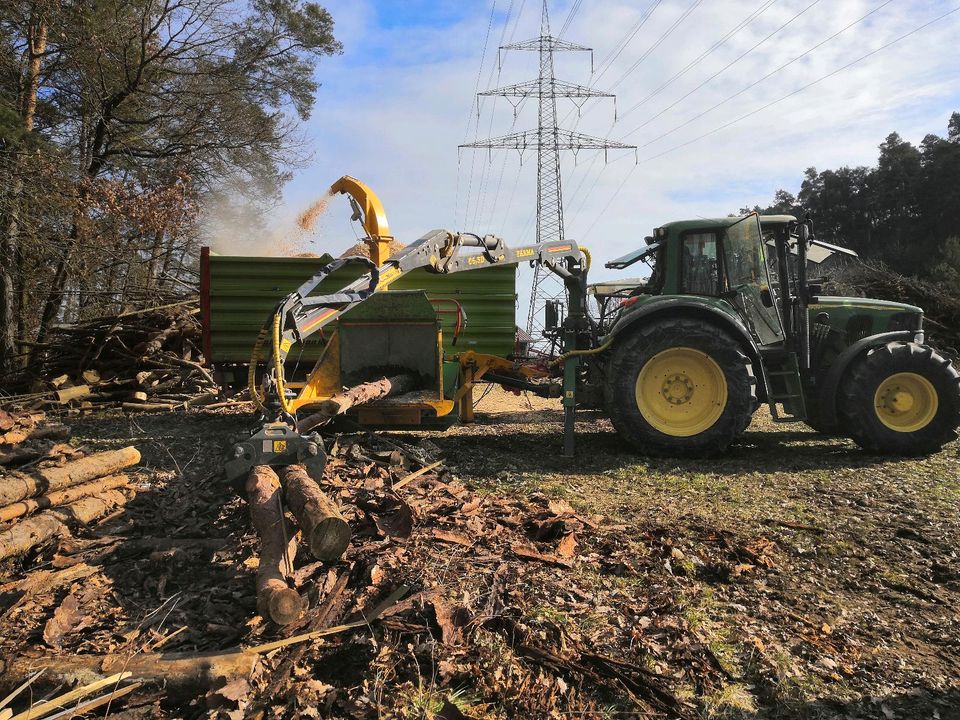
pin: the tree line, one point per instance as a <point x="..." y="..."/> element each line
<point x="119" y="120"/>
<point x="904" y="212"/>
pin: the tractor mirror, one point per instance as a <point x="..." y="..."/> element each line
<point x="551" y="316"/>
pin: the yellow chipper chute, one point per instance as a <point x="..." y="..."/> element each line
<point x="369" y="335"/>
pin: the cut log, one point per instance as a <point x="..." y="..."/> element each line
<point x="73" y="393"/>
<point x="367" y="392"/>
<point x="326" y="532"/>
<point x="149" y="407"/>
<point x="137" y="396"/>
<point x="18" y="456"/>
<point x="30" y="532"/>
<point x="62" y="497"/>
<point x="182" y="675"/>
<point x="275" y="598"/>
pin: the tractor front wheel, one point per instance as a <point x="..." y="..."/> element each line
<point x="680" y="388"/>
<point x="902" y="399"/>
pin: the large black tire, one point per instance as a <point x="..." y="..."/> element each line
<point x="632" y="353"/>
<point x="815" y="422"/>
<point x="868" y="403"/>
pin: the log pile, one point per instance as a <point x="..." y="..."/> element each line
<point x="139" y="361"/>
<point x="44" y="502"/>
<point x="26" y="437"/>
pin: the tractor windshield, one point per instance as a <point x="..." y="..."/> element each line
<point x="747" y="277"/>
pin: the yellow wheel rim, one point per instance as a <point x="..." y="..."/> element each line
<point x="906" y="402"/>
<point x="681" y="392"/>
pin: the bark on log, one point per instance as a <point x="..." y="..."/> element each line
<point x="182" y="675"/>
<point x="149" y="407"/>
<point x="62" y="497"/>
<point x="73" y="393"/>
<point x="20" y="486"/>
<point x="358" y="395"/>
<point x="326" y="532"/>
<point x="19" y="455"/>
<point x="275" y="599"/>
<point x="28" y="533"/>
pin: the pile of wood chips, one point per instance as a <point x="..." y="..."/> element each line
<point x="140" y="361"/>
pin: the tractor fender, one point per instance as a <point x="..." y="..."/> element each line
<point x="827" y="396"/>
<point x="672" y="307"/>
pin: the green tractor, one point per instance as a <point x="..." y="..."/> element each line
<point x="681" y="362"/>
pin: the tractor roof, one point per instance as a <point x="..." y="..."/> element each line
<point x="681" y="226"/>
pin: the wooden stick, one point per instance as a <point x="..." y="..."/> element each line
<point x="414" y="475"/>
<point x="23" y="686"/>
<point x="86" y="707"/>
<point x="324" y="528"/>
<point x="276" y="600"/>
<point x="41" y="709"/>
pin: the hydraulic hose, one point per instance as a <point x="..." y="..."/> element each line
<point x="278" y="365"/>
<point x="255" y="358"/>
<point x="579" y="353"/>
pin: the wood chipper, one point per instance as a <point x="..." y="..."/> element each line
<point x="728" y="320"/>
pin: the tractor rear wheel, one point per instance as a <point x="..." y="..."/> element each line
<point x="902" y="399"/>
<point x="680" y="388"/>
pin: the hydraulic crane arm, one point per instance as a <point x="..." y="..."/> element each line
<point x="299" y="315"/>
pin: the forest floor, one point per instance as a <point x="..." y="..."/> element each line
<point x="795" y="577"/>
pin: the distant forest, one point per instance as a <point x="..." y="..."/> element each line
<point x="904" y="212"/>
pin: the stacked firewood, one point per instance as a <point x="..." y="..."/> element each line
<point x="141" y="361"/>
<point x="59" y="490"/>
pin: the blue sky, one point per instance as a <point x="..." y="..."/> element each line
<point x="394" y="107"/>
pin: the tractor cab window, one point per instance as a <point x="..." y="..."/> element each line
<point x="699" y="273"/>
<point x="748" y="279"/>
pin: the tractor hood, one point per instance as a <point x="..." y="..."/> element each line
<point x="859" y="317"/>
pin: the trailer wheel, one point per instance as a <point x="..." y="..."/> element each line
<point x="680" y="388"/>
<point x="902" y="399"/>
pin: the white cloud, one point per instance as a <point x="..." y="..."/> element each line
<point x="394" y="108"/>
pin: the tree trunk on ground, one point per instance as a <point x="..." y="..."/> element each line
<point x="275" y="599"/>
<point x="326" y="532"/>
<point x="30" y="532"/>
<point x="180" y="674"/>
<point x="358" y="395"/>
<point x="62" y="497"/>
<point x="19" y="486"/>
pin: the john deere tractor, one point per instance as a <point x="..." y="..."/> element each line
<point x="683" y="360"/>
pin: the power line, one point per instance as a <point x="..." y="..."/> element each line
<point x="725" y="67"/>
<point x="686" y="13"/>
<point x="466" y="134"/>
<point x="744" y="23"/>
<point x="766" y="5"/>
<point x="772" y="103"/>
<point x="769" y="74"/>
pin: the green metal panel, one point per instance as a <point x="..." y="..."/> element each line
<point x="244" y="290"/>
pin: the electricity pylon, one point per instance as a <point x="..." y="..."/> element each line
<point x="548" y="140"/>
